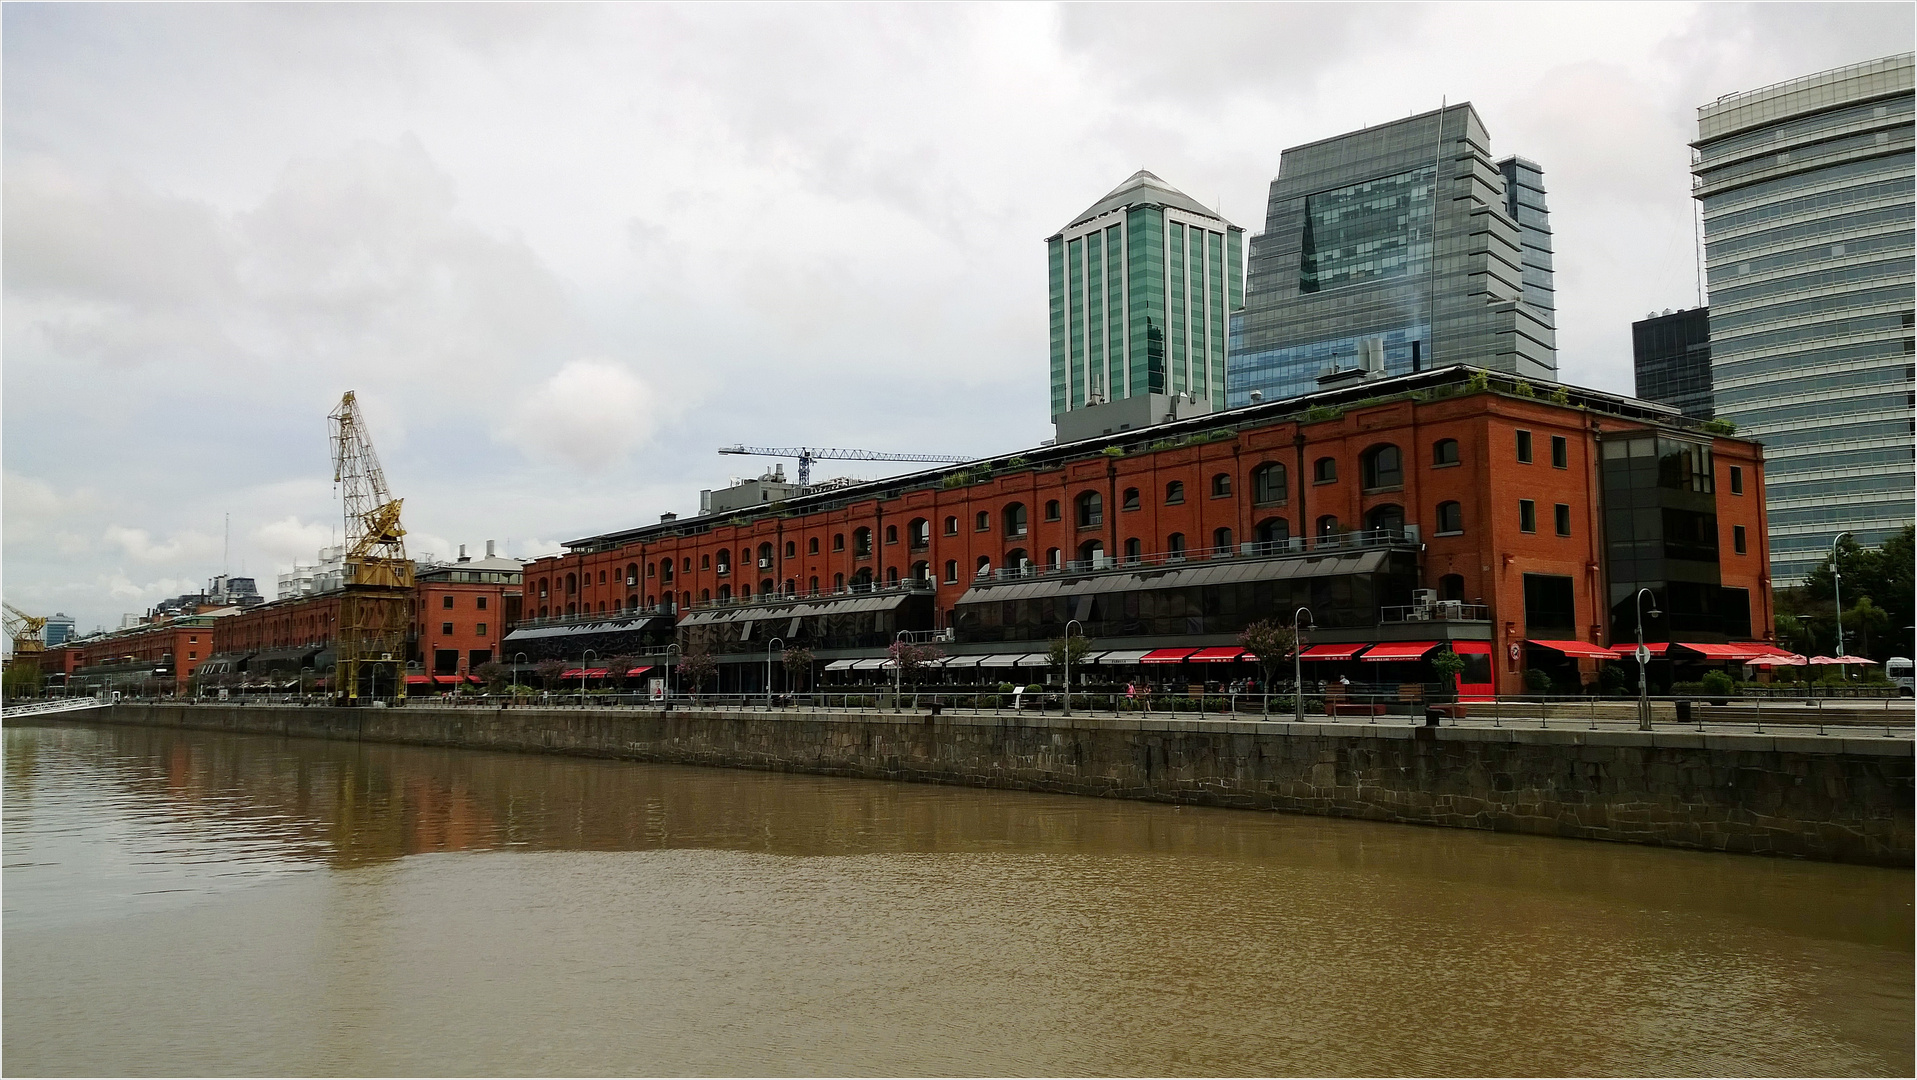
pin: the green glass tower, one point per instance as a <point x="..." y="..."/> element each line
<point x="1143" y="284"/>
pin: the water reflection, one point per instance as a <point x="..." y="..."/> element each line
<point x="308" y="904"/>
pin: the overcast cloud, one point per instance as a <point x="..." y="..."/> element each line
<point x="562" y="253"/>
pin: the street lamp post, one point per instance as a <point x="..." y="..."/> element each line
<point x="670" y="664"/>
<point x="582" y="674"/>
<point x="1837" y="591"/>
<point x="898" y="668"/>
<point x="1068" y="662"/>
<point x="768" y="668"/>
<point x="518" y="659"/>
<point x="1643" y="659"/>
<point x="1298" y="664"/>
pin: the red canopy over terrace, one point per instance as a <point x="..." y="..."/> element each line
<point x="1221" y="652"/>
<point x="1399" y="650"/>
<point x="1577" y="650"/>
<point x="1736" y="653"/>
<point x="1166" y="656"/>
<point x="1331" y="652"/>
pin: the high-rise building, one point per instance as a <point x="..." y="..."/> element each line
<point x="59" y="629"/>
<point x="1806" y="188"/>
<point x="1672" y="356"/>
<point x="1343" y="283"/>
<point x="1142" y="285"/>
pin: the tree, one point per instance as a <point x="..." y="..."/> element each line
<point x="548" y="671"/>
<point x="798" y="666"/>
<point x="494" y="674"/>
<point x="1270" y="644"/>
<point x="696" y="669"/>
<point x="912" y="660"/>
<point x="619" y="666"/>
<point x="1078" y="645"/>
<point x="1883" y="574"/>
<point x="1447" y="665"/>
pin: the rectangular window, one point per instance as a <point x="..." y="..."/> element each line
<point x="1737" y="480"/>
<point x="446" y="601"/>
<point x="1550" y="609"/>
<point x="1524" y="447"/>
<point x="1560" y="452"/>
<point x="1563" y="514"/>
<point x="1737" y="539"/>
<point x="482" y="629"/>
<point x="480" y="603"/>
<point x="1527" y="515"/>
<point x="192" y="656"/>
<point x="445" y="628"/>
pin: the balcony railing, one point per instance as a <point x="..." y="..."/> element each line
<point x="1437" y="611"/>
<point x="1257" y="549"/>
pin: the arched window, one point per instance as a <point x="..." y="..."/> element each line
<point x="982" y="521"/>
<point x="766" y="586"/>
<point x="1450" y="518"/>
<point x="1174" y="493"/>
<point x="1269" y="484"/>
<point x="918" y="533"/>
<point x="1221" y="541"/>
<point x="745" y="589"/>
<point x="891" y="575"/>
<point x="685" y="599"/>
<point x="1175" y="545"/>
<point x="665" y="571"/>
<point x="861" y="542"/>
<point x="572" y="584"/>
<point x="1221" y="485"/>
<point x="862" y="579"/>
<point x="1324" y="470"/>
<point x="765" y="556"/>
<point x="1328" y="525"/>
<point x="722" y="562"/>
<point x="812" y="585"/>
<point x="543" y="613"/>
<point x="1387" y="518"/>
<point x="838" y="541"/>
<point x="1451" y="587"/>
<point x="791" y="587"/>
<point x="984" y="566"/>
<point x="1134" y="550"/>
<point x="812" y="545"/>
<point x="632" y="572"/>
<point x="922" y="572"/>
<point x="572" y="609"/>
<point x="1015" y="559"/>
<point x="1131" y="499"/>
<point x="1051" y="510"/>
<point x="951" y="525"/>
<point x="725" y="592"/>
<point x="838" y="583"/>
<point x="1381" y="467"/>
<point x="633" y="602"/>
<point x="1444" y="452"/>
<point x="688" y="565"/>
<point x="705" y="561"/>
<point x="791" y="549"/>
<point x="705" y="595"/>
<point x="951" y="570"/>
<point x="602" y="577"/>
<point x="1052" y="557"/>
<point x="891" y="534"/>
<point x="1015" y="520"/>
<point x="544" y="584"/>
<point x="1091" y="510"/>
<point x="1091" y="553"/>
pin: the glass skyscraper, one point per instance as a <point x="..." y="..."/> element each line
<point x="1671" y="355"/>
<point x="1142" y="285"/>
<point x="1806" y="188"/>
<point x="1344" y="275"/>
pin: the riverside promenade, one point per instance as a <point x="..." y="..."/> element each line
<point x="1845" y="795"/>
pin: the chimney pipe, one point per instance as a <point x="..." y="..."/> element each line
<point x="462" y="554"/>
<point x="489" y="549"/>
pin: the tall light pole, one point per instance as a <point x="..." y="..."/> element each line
<point x="898" y="666"/>
<point x="1068" y="662"/>
<point x="582" y="675"/>
<point x="672" y="647"/>
<point x="768" y="668"/>
<point x="1298" y="664"/>
<point x="1643" y="659"/>
<point x="518" y="659"/>
<point x="1837" y="591"/>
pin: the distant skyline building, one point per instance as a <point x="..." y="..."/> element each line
<point x="1806" y="189"/>
<point x="1671" y="354"/>
<point x="59" y="629"/>
<point x="1342" y="282"/>
<point x="1142" y="287"/>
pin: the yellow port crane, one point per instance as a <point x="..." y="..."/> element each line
<point x="26" y="631"/>
<point x="376" y="606"/>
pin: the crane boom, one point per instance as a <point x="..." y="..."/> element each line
<point x="25" y="630"/>
<point x="808" y="454"/>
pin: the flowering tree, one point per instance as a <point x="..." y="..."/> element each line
<point x="912" y="659"/>
<point x="696" y="669"/>
<point x="798" y="666"/>
<point x="1270" y="644"/>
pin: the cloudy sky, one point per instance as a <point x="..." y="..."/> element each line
<point x="563" y="253"/>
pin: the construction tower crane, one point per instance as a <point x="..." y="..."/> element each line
<point x="808" y="454"/>
<point x="376" y="607"/>
<point x="26" y="631"/>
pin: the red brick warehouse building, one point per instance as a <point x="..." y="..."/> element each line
<point x="1453" y="506"/>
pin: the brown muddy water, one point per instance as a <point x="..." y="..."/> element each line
<point x="200" y="903"/>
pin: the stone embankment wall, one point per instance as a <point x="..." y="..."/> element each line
<point x="1815" y="797"/>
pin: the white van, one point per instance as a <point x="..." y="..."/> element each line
<point x="1898" y="669"/>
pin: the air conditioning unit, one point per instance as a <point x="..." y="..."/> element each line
<point x="1424" y="596"/>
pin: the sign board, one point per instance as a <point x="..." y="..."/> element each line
<point x="658" y="689"/>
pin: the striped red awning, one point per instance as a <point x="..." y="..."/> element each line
<point x="584" y="673"/>
<point x="638" y="671"/>
<point x="1399" y="650"/>
<point x="1629" y="652"/>
<point x="1165" y="656"/>
<point x="1221" y="652"/>
<point x="1331" y="652"/>
<point x="1579" y="650"/>
<point x="1716" y="652"/>
<point x="1764" y="648"/>
<point x="419" y="680"/>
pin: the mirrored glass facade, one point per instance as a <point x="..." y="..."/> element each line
<point x="1671" y="354"/>
<point x="1806" y="189"/>
<point x="1392" y="250"/>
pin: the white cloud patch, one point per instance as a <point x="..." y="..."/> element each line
<point x="139" y="545"/>
<point x="589" y="414"/>
<point x="291" y="540"/>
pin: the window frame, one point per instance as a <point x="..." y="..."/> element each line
<point x="1737" y="479"/>
<point x="1324" y="471"/>
<point x="1525" y="450"/>
<point x="1561" y="518"/>
<point x="1174" y="493"/>
<point x="1457" y="454"/>
<point x="1528" y="516"/>
<point x="1457" y="509"/>
<point x="1221" y="485"/>
<point x="1560" y="452"/>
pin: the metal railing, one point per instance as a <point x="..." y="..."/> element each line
<point x="1436" y="611"/>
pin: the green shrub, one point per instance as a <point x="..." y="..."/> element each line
<point x="1479" y="381"/>
<point x="1523" y="389"/>
<point x="1319" y="413"/>
<point x="1718" y="684"/>
<point x="1560" y="396"/>
<point x="1537" y="681"/>
<point x="1017" y="463"/>
<point x="1719" y="427"/>
<point x="1113" y="451"/>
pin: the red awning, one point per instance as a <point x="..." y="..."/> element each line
<point x="1165" y="656"/>
<point x="638" y="671"/>
<point x="584" y="673"/>
<point x="446" y="680"/>
<point x="1399" y="650"/>
<point x="1576" y="649"/>
<point x="1221" y="652"/>
<point x="569" y="673"/>
<point x="1716" y="652"/>
<point x="1629" y="652"/>
<point x="1763" y="648"/>
<point x="419" y="680"/>
<point x="1331" y="652"/>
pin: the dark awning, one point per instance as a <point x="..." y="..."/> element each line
<point x="794" y="609"/>
<point x="605" y="626"/>
<point x="1182" y="576"/>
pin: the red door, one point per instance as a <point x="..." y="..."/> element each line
<point x="1475" y="681"/>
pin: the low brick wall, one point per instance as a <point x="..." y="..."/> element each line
<point x="1847" y="800"/>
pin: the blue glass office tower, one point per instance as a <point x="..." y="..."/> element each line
<point x="1395" y="249"/>
<point x="1807" y="194"/>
